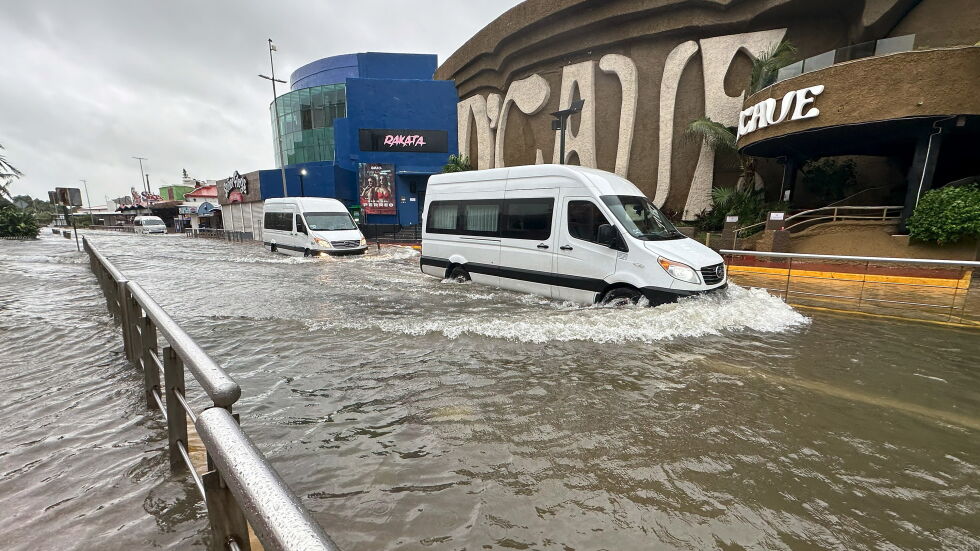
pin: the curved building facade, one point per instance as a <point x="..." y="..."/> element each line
<point x="648" y="68"/>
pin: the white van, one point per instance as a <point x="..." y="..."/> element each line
<point x="149" y="224"/>
<point x="310" y="226"/>
<point x="565" y="232"/>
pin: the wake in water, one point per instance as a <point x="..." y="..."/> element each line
<point x="538" y="320"/>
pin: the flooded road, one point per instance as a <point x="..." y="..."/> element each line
<point x="409" y="413"/>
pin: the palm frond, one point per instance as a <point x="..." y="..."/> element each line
<point x="768" y="63"/>
<point x="715" y="134"/>
<point x="458" y="163"/>
<point x="7" y="172"/>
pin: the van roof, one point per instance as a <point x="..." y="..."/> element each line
<point x="308" y="203"/>
<point x="599" y="181"/>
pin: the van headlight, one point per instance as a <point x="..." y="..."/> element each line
<point x="678" y="270"/>
<point x="363" y="241"/>
<point x="322" y="242"/>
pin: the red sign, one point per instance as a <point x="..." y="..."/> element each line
<point x="376" y="183"/>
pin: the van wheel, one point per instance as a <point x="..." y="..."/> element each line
<point x="621" y="296"/>
<point x="272" y="247"/>
<point x="306" y="253"/>
<point x="459" y="274"/>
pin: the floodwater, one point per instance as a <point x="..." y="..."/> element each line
<point x="410" y="413"/>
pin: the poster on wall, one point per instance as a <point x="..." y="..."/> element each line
<point x="376" y="183"/>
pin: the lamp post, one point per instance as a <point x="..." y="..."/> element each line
<point x="91" y="218"/>
<point x="561" y="124"/>
<point x="275" y="111"/>
<point x="302" y="190"/>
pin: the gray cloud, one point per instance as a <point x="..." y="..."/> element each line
<point x="90" y="84"/>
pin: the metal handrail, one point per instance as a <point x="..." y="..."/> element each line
<point x="835" y="216"/>
<point x="222" y="389"/>
<point x="886" y="259"/>
<point x="278" y="518"/>
<point x="243" y="488"/>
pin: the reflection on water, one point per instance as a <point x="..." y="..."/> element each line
<point x="412" y="413"/>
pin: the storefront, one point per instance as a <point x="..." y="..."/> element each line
<point x="646" y="72"/>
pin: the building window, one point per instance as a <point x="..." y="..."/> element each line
<point x="305" y="123"/>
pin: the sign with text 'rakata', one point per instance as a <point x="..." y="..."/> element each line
<point x="409" y="141"/>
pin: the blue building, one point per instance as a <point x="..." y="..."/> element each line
<point x="369" y="129"/>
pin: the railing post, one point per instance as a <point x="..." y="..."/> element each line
<point x="122" y="293"/>
<point x="148" y="347"/>
<point x="173" y="379"/>
<point x="134" y="329"/>
<point x="226" y="517"/>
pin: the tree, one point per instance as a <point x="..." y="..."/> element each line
<point x="722" y="139"/>
<point x="766" y="66"/>
<point x="7" y="173"/>
<point x="458" y="163"/>
<point x="17" y="223"/>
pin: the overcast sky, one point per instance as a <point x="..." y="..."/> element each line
<point x="89" y="84"/>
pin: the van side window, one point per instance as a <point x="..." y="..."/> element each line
<point x="300" y="226"/>
<point x="442" y="217"/>
<point x="528" y="218"/>
<point x="584" y="219"/>
<point x="481" y="217"/>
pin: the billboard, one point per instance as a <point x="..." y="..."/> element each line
<point x="376" y="184"/>
<point x="68" y="196"/>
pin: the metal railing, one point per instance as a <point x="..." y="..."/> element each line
<point x="124" y="229"/>
<point x="240" y="488"/>
<point x="874" y="48"/>
<point x="214" y="233"/>
<point x="936" y="290"/>
<point x="838" y="212"/>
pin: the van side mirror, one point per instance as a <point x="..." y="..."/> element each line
<point x="606" y="235"/>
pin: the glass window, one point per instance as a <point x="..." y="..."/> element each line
<point x="584" y="219"/>
<point x="300" y="227"/>
<point x="330" y="221"/>
<point x="442" y="217"/>
<point x="482" y="218"/>
<point x="641" y="218"/>
<point x="528" y="218"/>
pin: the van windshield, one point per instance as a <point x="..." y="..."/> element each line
<point x="329" y="221"/>
<point x="152" y="222"/>
<point x="641" y="218"/>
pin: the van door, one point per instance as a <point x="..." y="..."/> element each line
<point x="527" y="244"/>
<point x="582" y="264"/>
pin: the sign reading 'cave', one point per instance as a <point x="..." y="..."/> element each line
<point x="410" y="141"/>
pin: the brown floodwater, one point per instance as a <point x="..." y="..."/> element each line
<point x="410" y="413"/>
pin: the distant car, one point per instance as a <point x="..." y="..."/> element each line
<point x="311" y="226"/>
<point x="149" y="224"/>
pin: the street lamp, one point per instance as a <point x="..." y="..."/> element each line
<point x="561" y="123"/>
<point x="275" y="110"/>
<point x="302" y="190"/>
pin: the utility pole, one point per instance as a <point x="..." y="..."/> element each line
<point x="91" y="219"/>
<point x="275" y="110"/>
<point x="142" y="184"/>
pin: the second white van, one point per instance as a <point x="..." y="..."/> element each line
<point x="310" y="226"/>
<point x="565" y="232"/>
<point x="149" y="224"/>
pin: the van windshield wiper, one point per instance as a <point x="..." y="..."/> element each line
<point x="663" y="237"/>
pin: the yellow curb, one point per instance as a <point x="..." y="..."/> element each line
<point x="962" y="283"/>
<point x="962" y="324"/>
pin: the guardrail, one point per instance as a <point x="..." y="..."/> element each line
<point x="241" y="489"/>
<point x="103" y="227"/>
<point x="227" y="235"/>
<point x="925" y="289"/>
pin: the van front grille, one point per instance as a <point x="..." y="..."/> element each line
<point x="345" y="244"/>
<point x="713" y="275"/>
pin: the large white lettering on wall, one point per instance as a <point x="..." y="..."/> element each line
<point x="763" y="114"/>
<point x="485" y="116"/>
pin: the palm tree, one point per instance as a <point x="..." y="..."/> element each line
<point x="458" y="163"/>
<point x="7" y="173"/>
<point x="768" y="63"/>
<point x="722" y="139"/>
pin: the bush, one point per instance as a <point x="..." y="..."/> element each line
<point x="17" y="223"/>
<point x="749" y="206"/>
<point x="947" y="214"/>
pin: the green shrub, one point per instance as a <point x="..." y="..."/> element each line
<point x="749" y="206"/>
<point x="17" y="223"/>
<point x="946" y="215"/>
